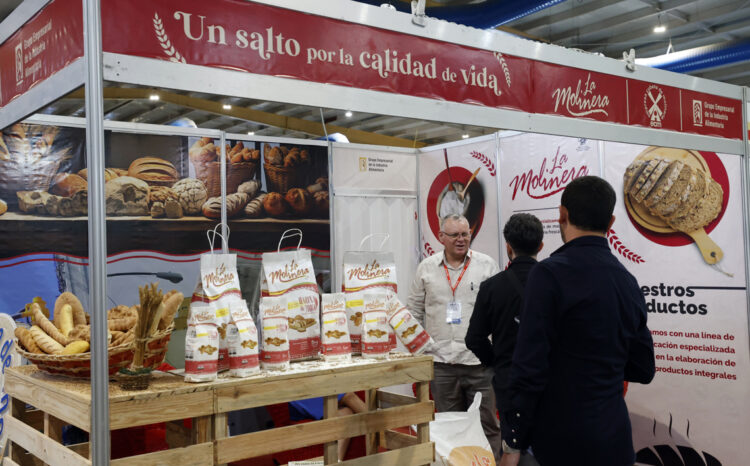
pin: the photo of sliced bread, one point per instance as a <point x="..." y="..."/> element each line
<point x="698" y="190"/>
<point x="705" y="212"/>
<point x="651" y="181"/>
<point x="664" y="184"/>
<point x="632" y="173"/>
<point x="676" y="195"/>
<point x="643" y="176"/>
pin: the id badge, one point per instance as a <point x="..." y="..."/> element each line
<point x="453" y="313"/>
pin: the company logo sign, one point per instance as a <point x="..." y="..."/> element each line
<point x="655" y="103"/>
<point x="697" y="113"/>
<point x="19" y="64"/>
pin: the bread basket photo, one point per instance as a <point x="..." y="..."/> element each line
<point x="282" y="179"/>
<point x="237" y="173"/>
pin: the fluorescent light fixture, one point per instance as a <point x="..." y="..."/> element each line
<point x="227" y="107"/>
<point x="153" y="97"/>
<point x="465" y="136"/>
<point x="348" y="114"/>
<point x="660" y="28"/>
<point x="251" y="133"/>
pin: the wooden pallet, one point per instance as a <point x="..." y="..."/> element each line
<point x="65" y="401"/>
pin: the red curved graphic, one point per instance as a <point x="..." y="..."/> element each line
<point x="458" y="175"/>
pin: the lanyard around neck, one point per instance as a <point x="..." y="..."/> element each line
<point x="448" y="276"/>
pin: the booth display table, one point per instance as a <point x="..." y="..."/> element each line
<point x="66" y="401"/>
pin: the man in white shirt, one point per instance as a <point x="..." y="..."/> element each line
<point x="442" y="298"/>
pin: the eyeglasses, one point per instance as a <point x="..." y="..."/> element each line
<point x="464" y="235"/>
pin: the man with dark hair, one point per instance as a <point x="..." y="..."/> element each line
<point x="582" y="333"/>
<point x="498" y="304"/>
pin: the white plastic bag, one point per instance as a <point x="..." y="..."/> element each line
<point x="459" y="438"/>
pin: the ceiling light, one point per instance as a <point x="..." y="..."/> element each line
<point x="465" y="136"/>
<point x="153" y="97"/>
<point x="660" y="28"/>
<point x="227" y="107"/>
<point x="251" y="133"/>
<point x="348" y="114"/>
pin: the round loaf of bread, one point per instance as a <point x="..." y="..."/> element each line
<point x="154" y="171"/>
<point x="704" y="213"/>
<point x="698" y="190"/>
<point x="67" y="184"/>
<point x="275" y="205"/>
<point x="677" y="194"/>
<point x="299" y="200"/>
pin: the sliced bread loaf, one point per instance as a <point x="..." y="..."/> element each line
<point x="631" y="174"/>
<point x="664" y="183"/>
<point x="650" y="182"/>
<point x="643" y="176"/>
<point x="698" y="190"/>
<point x="708" y="209"/>
<point x="676" y="195"/>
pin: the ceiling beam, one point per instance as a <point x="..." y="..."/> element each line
<point x="269" y="119"/>
<point x="573" y="13"/>
<point x="691" y="39"/>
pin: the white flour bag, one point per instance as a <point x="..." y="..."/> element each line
<point x="290" y="274"/>
<point x="274" y="354"/>
<point x="375" y="326"/>
<point x="201" y="340"/>
<point x="366" y="271"/>
<point x="221" y="285"/>
<point x="336" y="346"/>
<point x="242" y="336"/>
<point x="407" y="329"/>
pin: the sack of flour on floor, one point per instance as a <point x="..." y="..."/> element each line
<point x="290" y="274"/>
<point x="201" y="340"/>
<point x="242" y="336"/>
<point x="222" y="286"/>
<point x="335" y="343"/>
<point x="407" y="329"/>
<point x="366" y="271"/>
<point x="375" y="326"/>
<point x="274" y="353"/>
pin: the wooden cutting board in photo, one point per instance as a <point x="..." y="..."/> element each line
<point x="671" y="190"/>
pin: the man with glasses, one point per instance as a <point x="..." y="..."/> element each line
<point x="442" y="298"/>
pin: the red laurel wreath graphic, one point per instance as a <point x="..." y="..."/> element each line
<point x="485" y="160"/>
<point x="428" y="249"/>
<point x="622" y="249"/>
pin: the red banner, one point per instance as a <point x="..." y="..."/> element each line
<point x="274" y="41"/>
<point x="47" y="43"/>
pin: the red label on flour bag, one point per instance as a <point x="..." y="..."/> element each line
<point x="201" y="340"/>
<point x="222" y="289"/>
<point x="366" y="271"/>
<point x="290" y="274"/>
<point x="242" y="336"/>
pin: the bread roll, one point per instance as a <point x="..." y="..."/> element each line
<point x="254" y="208"/>
<point x="3" y="207"/>
<point x="67" y="184"/>
<point x="275" y="205"/>
<point x="235" y="203"/>
<point x="299" y="200"/>
<point x="154" y="171"/>
<point x="322" y="206"/>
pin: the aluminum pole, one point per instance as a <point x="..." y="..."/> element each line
<point x="97" y="229"/>
<point x="745" y="171"/>
<point x="224" y="235"/>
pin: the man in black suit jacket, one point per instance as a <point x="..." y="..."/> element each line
<point x="498" y="303"/>
<point x="582" y="333"/>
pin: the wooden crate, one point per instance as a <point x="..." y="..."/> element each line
<point x="66" y="401"/>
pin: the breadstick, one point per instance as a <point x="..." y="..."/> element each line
<point x="27" y="341"/>
<point x="47" y="326"/>
<point x="65" y="319"/>
<point x="44" y="341"/>
<point x="79" y="315"/>
<point x="171" y="302"/>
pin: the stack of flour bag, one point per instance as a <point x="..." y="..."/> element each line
<point x="294" y="321"/>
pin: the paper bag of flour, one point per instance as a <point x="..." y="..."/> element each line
<point x="375" y="326"/>
<point x="242" y="336"/>
<point x="222" y="287"/>
<point x="407" y="329"/>
<point x="290" y="274"/>
<point x="274" y="353"/>
<point x="336" y="346"/>
<point x="366" y="271"/>
<point x="201" y="340"/>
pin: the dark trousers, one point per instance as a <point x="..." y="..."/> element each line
<point x="453" y="389"/>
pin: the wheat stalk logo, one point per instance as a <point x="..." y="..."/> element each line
<point x="503" y="63"/>
<point x="166" y="44"/>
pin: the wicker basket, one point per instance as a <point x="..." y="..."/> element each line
<point x="237" y="173"/>
<point x="282" y="179"/>
<point x="78" y="365"/>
